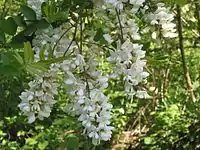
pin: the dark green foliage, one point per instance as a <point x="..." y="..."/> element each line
<point x="9" y="26"/>
<point x="28" y="13"/>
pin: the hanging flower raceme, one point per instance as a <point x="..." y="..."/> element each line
<point x="83" y="81"/>
<point x="128" y="62"/>
<point x="162" y="18"/>
<point x="89" y="102"/>
<point x="128" y="58"/>
<point x="39" y="98"/>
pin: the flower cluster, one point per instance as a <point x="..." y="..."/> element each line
<point x="89" y="102"/>
<point x="128" y="62"/>
<point x="163" y="19"/>
<point x="39" y="98"/>
<point x="52" y="39"/>
<point x="128" y="57"/>
<point x="110" y="4"/>
<point x="83" y="81"/>
<point x="136" y="4"/>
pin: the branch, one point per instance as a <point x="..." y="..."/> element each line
<point x="81" y="51"/>
<point x="197" y="12"/>
<point x="74" y="37"/>
<point x="54" y="47"/>
<point x="76" y="27"/>
<point x="185" y="69"/>
<point x="120" y="25"/>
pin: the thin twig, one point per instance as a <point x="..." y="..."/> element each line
<point x="81" y="35"/>
<point x="74" y="37"/>
<point x="76" y="27"/>
<point x="81" y="51"/>
<point x="54" y="47"/>
<point x="120" y="25"/>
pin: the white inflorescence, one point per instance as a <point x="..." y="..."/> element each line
<point x="50" y="39"/>
<point x="129" y="63"/>
<point x="128" y="57"/>
<point x="39" y="98"/>
<point x="83" y="81"/>
<point x="89" y="102"/>
<point x="164" y="19"/>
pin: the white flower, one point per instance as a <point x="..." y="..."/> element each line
<point x="28" y="95"/>
<point x="80" y="61"/>
<point x="164" y="19"/>
<point x="154" y="35"/>
<point x="108" y="38"/>
<point x="83" y="81"/>
<point x="39" y="98"/>
<point x="129" y="63"/>
<point x="90" y="104"/>
<point x="31" y="117"/>
<point x="105" y="135"/>
<point x="137" y="2"/>
<point x="50" y="38"/>
<point x="142" y="94"/>
<point x="115" y="3"/>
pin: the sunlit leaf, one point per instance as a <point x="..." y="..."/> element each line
<point x="28" y="53"/>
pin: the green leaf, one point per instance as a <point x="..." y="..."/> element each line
<point x="5" y="60"/>
<point x="2" y="37"/>
<point x="28" y="53"/>
<point x="28" y="12"/>
<point x="43" y="9"/>
<point x="52" y="60"/>
<point x="42" y="24"/>
<point x="50" y="53"/>
<point x="195" y="85"/>
<point x="72" y="142"/>
<point x="43" y="145"/>
<point x="61" y="16"/>
<point x="1" y="132"/>
<point x="49" y="10"/>
<point x="1" y="21"/>
<point x="36" y="68"/>
<point x="9" y="65"/>
<point x="19" y="58"/>
<point x="148" y="140"/>
<point x="99" y="35"/>
<point x="31" y="141"/>
<point x="19" y="20"/>
<point x="9" y="26"/>
<point x="9" y="71"/>
<point x="41" y="53"/>
<point x="180" y="2"/>
<point x="30" y="29"/>
<point x="42" y="66"/>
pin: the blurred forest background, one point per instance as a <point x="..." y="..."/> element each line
<point x="169" y="120"/>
